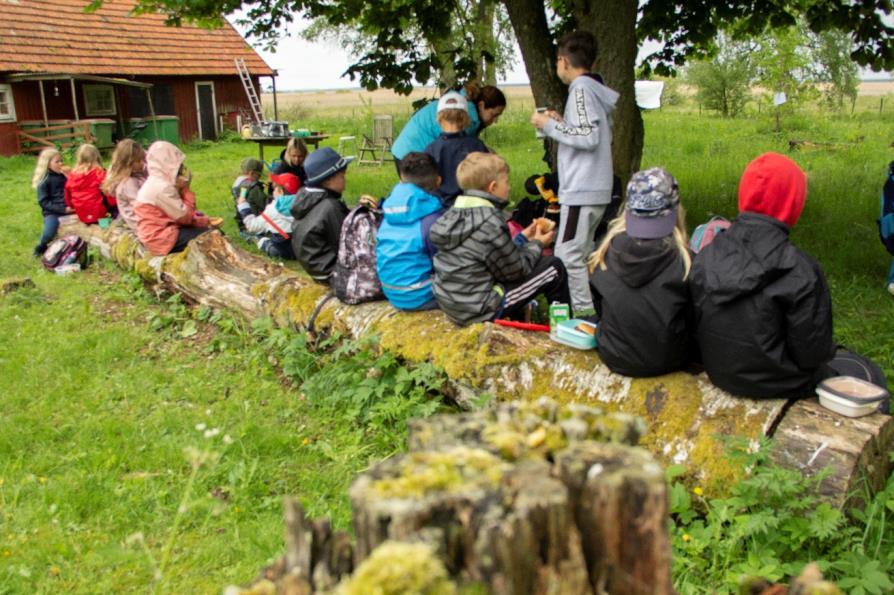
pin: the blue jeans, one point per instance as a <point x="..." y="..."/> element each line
<point x="50" y="227"/>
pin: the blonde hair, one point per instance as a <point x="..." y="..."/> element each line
<point x="479" y="169"/>
<point x="127" y="153"/>
<point x="297" y="144"/>
<point x="619" y="226"/>
<point x="457" y="117"/>
<point x="87" y="158"/>
<point x="43" y="166"/>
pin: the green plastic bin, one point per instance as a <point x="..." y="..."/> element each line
<point x="167" y="127"/>
<point x="102" y="129"/>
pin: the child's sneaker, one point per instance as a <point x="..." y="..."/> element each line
<point x="891" y="288"/>
<point x="263" y="243"/>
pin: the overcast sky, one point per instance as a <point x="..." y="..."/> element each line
<point x="304" y="65"/>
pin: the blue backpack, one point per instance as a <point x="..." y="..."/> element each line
<point x="886" y="216"/>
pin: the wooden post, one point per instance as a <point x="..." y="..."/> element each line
<point x="152" y="113"/>
<point x="74" y="99"/>
<point x="43" y="103"/>
<point x="275" y="107"/>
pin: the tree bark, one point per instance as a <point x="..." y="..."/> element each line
<point x="538" y="51"/>
<point x="613" y="22"/>
<point x="686" y="415"/>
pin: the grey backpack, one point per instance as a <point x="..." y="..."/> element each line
<point x="354" y="279"/>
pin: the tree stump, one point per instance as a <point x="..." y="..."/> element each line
<point x="685" y="414"/>
<point x="546" y="510"/>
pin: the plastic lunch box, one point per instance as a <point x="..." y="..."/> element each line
<point x="567" y="334"/>
<point x="850" y="396"/>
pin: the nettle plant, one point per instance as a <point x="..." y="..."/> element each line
<point x="771" y="525"/>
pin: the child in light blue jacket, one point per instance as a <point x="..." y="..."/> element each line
<point x="403" y="250"/>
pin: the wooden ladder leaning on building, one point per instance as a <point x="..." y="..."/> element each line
<point x="257" y="109"/>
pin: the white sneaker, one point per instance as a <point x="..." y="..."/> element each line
<point x="891" y="288"/>
<point x="262" y="244"/>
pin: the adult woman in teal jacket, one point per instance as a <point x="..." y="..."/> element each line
<point x="486" y="104"/>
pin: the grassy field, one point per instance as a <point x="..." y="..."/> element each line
<point x="147" y="447"/>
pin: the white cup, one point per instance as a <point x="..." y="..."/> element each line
<point x="538" y="133"/>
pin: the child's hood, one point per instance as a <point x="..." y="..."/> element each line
<point x="283" y="204"/>
<point x="90" y="179"/>
<point x="163" y="160"/>
<point x="607" y="96"/>
<point x="409" y="203"/>
<point x="636" y="262"/>
<point x="775" y="186"/>
<point x="469" y="212"/>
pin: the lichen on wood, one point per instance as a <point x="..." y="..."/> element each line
<point x="687" y="416"/>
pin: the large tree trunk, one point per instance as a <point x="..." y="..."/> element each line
<point x="685" y="414"/>
<point x="538" y="51"/>
<point x="613" y="22"/>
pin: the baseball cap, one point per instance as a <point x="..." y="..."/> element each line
<point x="652" y="200"/>
<point x="452" y="100"/>
<point x="289" y="182"/>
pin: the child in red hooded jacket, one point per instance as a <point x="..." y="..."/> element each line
<point x="82" y="188"/>
<point x="763" y="311"/>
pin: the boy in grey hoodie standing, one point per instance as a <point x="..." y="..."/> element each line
<point x="584" y="135"/>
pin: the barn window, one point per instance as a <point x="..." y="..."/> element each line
<point x="162" y="101"/>
<point x="7" y="107"/>
<point x="100" y="100"/>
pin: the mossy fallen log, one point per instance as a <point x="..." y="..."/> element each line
<point x="686" y="415"/>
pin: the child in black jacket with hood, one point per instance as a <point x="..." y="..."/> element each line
<point x="319" y="212"/>
<point x="638" y="281"/>
<point x="763" y="310"/>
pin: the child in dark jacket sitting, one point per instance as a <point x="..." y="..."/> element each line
<point x="449" y="149"/>
<point x="481" y="273"/>
<point x="319" y="212"/>
<point x="403" y="249"/>
<point x="763" y="311"/>
<point x="49" y="181"/>
<point x="248" y="187"/>
<point x="638" y="280"/>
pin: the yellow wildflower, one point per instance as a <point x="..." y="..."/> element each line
<point x="698" y="491"/>
<point x="686" y="537"/>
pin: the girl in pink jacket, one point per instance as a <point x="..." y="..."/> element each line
<point x="165" y="208"/>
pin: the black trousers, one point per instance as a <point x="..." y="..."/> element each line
<point x="548" y="277"/>
<point x="185" y="234"/>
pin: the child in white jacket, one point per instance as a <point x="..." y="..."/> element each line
<point x="274" y="225"/>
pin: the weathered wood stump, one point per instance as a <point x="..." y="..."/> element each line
<point x="565" y="505"/>
<point x="685" y="414"/>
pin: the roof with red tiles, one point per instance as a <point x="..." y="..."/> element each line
<point x="57" y="36"/>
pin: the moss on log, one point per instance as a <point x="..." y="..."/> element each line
<point x="685" y="414"/>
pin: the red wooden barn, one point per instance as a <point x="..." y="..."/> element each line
<point x="64" y="72"/>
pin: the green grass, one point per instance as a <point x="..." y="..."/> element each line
<point x="102" y="387"/>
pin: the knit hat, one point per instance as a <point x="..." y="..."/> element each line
<point x="250" y="164"/>
<point x="652" y="200"/>
<point x="452" y="100"/>
<point x="324" y="163"/>
<point x="289" y="182"/>
<point x="775" y="186"/>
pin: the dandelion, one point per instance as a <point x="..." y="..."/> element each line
<point x="698" y="491"/>
<point x="686" y="537"/>
<point x="200" y="427"/>
<point x="306" y="441"/>
<point x="42" y="479"/>
<point x="55" y="570"/>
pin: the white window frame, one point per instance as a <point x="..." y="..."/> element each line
<point x="11" y="116"/>
<point x="199" y="107"/>
<point x="88" y="107"/>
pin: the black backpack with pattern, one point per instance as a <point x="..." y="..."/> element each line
<point x="354" y="279"/>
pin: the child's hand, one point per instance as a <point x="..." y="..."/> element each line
<point x="545" y="238"/>
<point x="539" y="119"/>
<point x="530" y="231"/>
<point x="201" y="221"/>
<point x="241" y="201"/>
<point x="69" y="210"/>
<point x="182" y="183"/>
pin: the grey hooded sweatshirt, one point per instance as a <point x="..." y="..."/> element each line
<point x="585" y="143"/>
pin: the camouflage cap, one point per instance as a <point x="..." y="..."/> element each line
<point x="652" y="200"/>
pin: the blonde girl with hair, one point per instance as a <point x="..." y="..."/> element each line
<point x="292" y="160"/>
<point x="82" y="190"/>
<point x="127" y="173"/>
<point x="49" y="181"/>
<point x="638" y="278"/>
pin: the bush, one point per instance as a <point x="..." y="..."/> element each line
<point x="724" y="82"/>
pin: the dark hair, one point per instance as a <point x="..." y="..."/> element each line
<point x="488" y="94"/>
<point x="420" y="169"/>
<point x="579" y="47"/>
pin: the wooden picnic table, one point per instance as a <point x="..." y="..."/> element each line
<point x="282" y="141"/>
